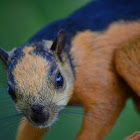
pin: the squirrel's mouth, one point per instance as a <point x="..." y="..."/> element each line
<point x="42" y="123"/>
<point x="41" y="116"/>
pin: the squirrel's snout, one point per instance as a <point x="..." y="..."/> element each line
<point x="39" y="116"/>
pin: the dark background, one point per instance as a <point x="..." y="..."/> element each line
<point x="19" y="20"/>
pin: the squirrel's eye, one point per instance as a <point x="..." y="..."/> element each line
<point x="59" y="81"/>
<point x="11" y="93"/>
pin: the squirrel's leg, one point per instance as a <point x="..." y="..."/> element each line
<point x="28" y="132"/>
<point x="134" y="136"/>
<point x="100" y="118"/>
<point x="127" y="63"/>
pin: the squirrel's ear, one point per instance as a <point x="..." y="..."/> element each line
<point x="4" y="56"/>
<point x="59" y="44"/>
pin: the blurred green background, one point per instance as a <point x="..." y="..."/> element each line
<point x="19" y="20"/>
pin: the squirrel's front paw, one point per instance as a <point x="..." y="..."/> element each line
<point x="134" y="136"/>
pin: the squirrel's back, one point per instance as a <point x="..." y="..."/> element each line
<point x="96" y="16"/>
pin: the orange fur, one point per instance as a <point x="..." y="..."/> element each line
<point x="96" y="77"/>
<point x="97" y="82"/>
<point x="31" y="71"/>
<point x="30" y="132"/>
<point x="127" y="62"/>
<point x="135" y="136"/>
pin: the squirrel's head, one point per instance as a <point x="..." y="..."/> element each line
<point x="40" y="79"/>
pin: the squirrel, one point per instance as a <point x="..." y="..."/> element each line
<point x="88" y="59"/>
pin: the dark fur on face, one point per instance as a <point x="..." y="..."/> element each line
<point x="38" y="77"/>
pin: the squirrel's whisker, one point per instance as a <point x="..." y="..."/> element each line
<point x="95" y="104"/>
<point x="73" y="106"/>
<point x="5" y="98"/>
<point x="63" y="98"/>
<point x="65" y="116"/>
<point x="10" y="117"/>
<point x="90" y="118"/>
<point x="89" y="112"/>
<point x="81" y="113"/>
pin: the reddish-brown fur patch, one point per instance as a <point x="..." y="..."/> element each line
<point x="128" y="63"/>
<point x="28" y="132"/>
<point x="134" y="136"/>
<point x="96" y="79"/>
<point x="94" y="54"/>
<point x="30" y="73"/>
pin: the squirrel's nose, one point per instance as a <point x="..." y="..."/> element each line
<point x="39" y="116"/>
